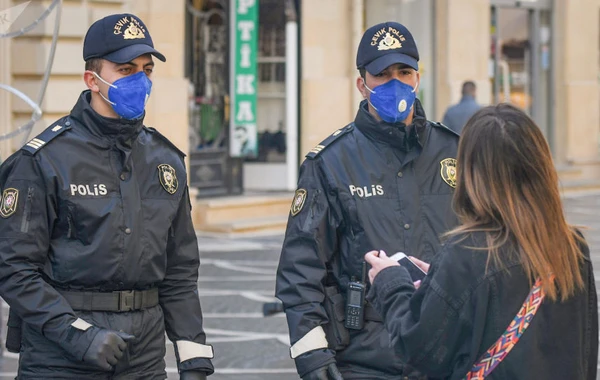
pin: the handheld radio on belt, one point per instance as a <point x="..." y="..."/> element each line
<point x="355" y="301"/>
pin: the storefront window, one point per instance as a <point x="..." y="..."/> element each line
<point x="520" y="55"/>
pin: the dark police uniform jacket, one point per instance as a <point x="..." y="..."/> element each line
<point x="368" y="186"/>
<point x="463" y="306"/>
<point x="101" y="205"/>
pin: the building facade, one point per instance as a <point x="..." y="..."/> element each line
<point x="542" y="55"/>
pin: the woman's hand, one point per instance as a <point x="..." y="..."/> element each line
<point x="378" y="261"/>
<point x="421" y="264"/>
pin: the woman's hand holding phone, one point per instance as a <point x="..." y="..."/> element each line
<point x="378" y="261"/>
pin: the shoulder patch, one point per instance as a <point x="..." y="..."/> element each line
<point x="35" y="144"/>
<point x="446" y="128"/>
<point x="329" y="141"/>
<point x="163" y="138"/>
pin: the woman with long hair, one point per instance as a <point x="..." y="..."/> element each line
<point x="512" y="293"/>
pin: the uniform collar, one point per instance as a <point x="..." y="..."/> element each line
<point x="105" y="127"/>
<point x="398" y="134"/>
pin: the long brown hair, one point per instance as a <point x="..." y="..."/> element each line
<point x="507" y="187"/>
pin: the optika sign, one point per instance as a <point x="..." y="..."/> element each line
<point x="244" y="15"/>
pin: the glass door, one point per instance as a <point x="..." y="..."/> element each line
<point x="520" y="57"/>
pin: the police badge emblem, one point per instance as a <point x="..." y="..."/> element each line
<point x="168" y="178"/>
<point x="298" y="202"/>
<point x="448" y="171"/>
<point x="9" y="202"/>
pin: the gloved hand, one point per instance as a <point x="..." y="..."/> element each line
<point x="192" y="375"/>
<point x="330" y="372"/>
<point x="107" y="348"/>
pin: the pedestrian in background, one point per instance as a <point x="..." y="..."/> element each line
<point x="457" y="115"/>
<point x="512" y="253"/>
<point x="386" y="178"/>
<point x="98" y="254"/>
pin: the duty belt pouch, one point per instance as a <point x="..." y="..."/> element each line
<point x="335" y="331"/>
<point x="13" y="332"/>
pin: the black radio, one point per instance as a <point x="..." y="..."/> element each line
<point x="355" y="305"/>
<point x="355" y="302"/>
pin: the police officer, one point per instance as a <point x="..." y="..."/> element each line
<point x="388" y="179"/>
<point x="98" y="255"/>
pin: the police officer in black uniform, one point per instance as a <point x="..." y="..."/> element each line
<point x="98" y="255"/>
<point x="388" y="179"/>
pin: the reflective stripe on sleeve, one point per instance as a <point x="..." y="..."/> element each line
<point x="80" y="324"/>
<point x="189" y="350"/>
<point x="313" y="340"/>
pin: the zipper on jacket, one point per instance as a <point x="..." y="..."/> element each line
<point x="27" y="211"/>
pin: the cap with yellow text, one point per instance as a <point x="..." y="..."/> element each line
<point x="385" y="44"/>
<point x="119" y="38"/>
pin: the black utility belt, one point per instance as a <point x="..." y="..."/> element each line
<point x="117" y="301"/>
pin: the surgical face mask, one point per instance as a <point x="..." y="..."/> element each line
<point x="128" y="96"/>
<point x="392" y="100"/>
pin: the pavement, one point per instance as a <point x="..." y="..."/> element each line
<point x="237" y="276"/>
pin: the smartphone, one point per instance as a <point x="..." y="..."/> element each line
<point x="415" y="272"/>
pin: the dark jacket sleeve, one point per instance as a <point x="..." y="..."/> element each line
<point x="178" y="294"/>
<point x="310" y="242"/>
<point x="26" y="222"/>
<point x="427" y="329"/>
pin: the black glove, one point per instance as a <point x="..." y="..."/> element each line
<point x="192" y="375"/>
<point x="330" y="372"/>
<point x="107" y="349"/>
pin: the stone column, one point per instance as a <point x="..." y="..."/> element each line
<point x="576" y="82"/>
<point x="328" y="75"/>
<point x="463" y="50"/>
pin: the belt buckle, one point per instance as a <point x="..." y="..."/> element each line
<point x="126" y="300"/>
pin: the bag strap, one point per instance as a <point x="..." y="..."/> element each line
<point x="495" y="354"/>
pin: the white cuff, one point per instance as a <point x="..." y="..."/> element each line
<point x="80" y="324"/>
<point x="189" y="350"/>
<point x="313" y="340"/>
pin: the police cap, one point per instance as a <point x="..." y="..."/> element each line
<point x="385" y="44"/>
<point x="119" y="38"/>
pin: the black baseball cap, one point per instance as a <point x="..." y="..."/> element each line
<point x="119" y="38"/>
<point x="385" y="44"/>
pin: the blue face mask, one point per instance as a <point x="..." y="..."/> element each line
<point x="128" y="96"/>
<point x="393" y="100"/>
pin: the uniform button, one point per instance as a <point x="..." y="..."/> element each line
<point x="122" y="176"/>
<point x="68" y="123"/>
<point x="400" y="174"/>
<point x="127" y="230"/>
<point x="406" y="226"/>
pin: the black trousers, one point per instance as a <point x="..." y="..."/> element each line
<point x="144" y="359"/>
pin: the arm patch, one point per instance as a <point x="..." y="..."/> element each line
<point x="35" y="144"/>
<point x="329" y="141"/>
